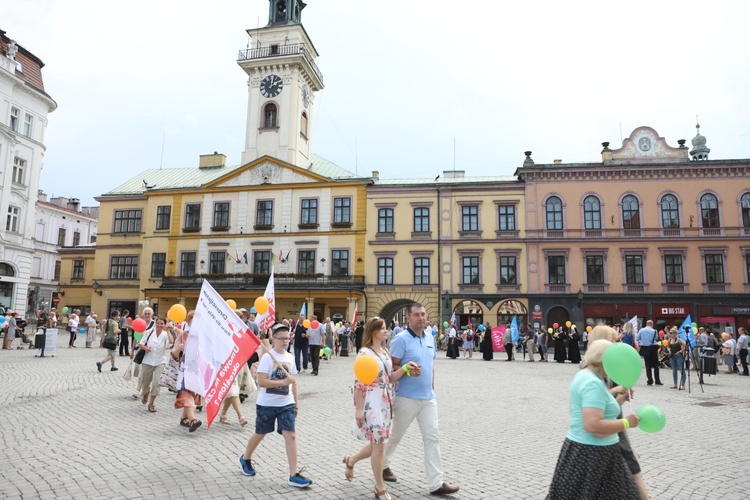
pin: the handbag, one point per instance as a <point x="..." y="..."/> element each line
<point x="110" y="343"/>
<point x="138" y="359"/>
<point x="169" y="375"/>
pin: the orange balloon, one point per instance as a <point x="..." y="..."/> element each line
<point x="366" y="369"/>
<point x="665" y="343"/>
<point x="306" y="323"/>
<point x="568" y="323"/>
<point x="232" y="304"/>
<point x="177" y="313"/>
<point x="261" y="305"/>
<point x="588" y="329"/>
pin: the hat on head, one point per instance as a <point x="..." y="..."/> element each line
<point x="279" y="326"/>
<point x="242" y="309"/>
<point x="253" y="311"/>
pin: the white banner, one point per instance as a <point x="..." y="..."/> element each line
<point x="224" y="345"/>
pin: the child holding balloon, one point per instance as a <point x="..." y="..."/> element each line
<point x="373" y="392"/>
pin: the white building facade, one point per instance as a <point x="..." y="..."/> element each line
<point x="59" y="222"/>
<point x="24" y="107"/>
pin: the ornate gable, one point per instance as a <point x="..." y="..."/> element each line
<point x="645" y="146"/>
<point x="266" y="171"/>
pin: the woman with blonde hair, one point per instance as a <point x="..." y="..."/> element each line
<point x="591" y="464"/>
<point x="604" y="332"/>
<point x="372" y="405"/>
<point x="676" y="357"/>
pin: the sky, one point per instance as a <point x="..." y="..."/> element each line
<point x="413" y="88"/>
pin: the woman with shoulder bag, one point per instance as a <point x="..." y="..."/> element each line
<point x="109" y="341"/>
<point x="155" y="346"/>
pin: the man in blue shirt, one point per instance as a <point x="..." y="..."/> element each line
<point x="415" y="398"/>
<point x="648" y="340"/>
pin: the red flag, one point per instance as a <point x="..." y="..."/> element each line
<point x="356" y="315"/>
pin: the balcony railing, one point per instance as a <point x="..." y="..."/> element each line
<point x="281" y="50"/>
<point x="251" y="282"/>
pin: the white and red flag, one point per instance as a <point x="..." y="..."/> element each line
<point x="355" y="318"/>
<point x="268" y="318"/>
<point x="224" y="344"/>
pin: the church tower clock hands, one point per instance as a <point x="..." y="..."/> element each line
<point x="283" y="78"/>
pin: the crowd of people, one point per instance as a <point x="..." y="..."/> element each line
<point x="596" y="460"/>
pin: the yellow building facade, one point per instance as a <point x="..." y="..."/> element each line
<point x="160" y="239"/>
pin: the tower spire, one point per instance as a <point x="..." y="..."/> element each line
<point x="699" y="151"/>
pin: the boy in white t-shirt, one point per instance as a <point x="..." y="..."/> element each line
<point x="276" y="403"/>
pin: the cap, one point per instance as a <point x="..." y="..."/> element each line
<point x="279" y="326"/>
<point x="252" y="311"/>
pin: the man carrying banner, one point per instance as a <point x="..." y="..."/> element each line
<point x="276" y="404"/>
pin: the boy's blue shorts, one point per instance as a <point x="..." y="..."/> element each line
<point x="266" y="416"/>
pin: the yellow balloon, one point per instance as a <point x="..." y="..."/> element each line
<point x="366" y="369"/>
<point x="549" y="330"/>
<point x="177" y="313"/>
<point x="306" y="323"/>
<point x="232" y="304"/>
<point x="261" y="305"/>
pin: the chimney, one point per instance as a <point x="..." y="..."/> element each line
<point x="375" y="175"/>
<point x="212" y="161"/>
<point x="41" y="195"/>
<point x="74" y="204"/>
<point x="557" y="162"/>
<point x="453" y="174"/>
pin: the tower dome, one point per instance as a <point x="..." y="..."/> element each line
<point x="699" y="151"/>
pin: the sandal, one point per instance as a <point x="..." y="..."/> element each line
<point x="349" y="473"/>
<point x="144" y="399"/>
<point x="194" y="424"/>
<point x="382" y="494"/>
<point x="243" y="422"/>
<point x="152" y="408"/>
<point x="223" y="419"/>
<point x="185" y="422"/>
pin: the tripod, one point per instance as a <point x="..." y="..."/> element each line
<point x="698" y="367"/>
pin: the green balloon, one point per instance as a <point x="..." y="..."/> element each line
<point x="137" y="336"/>
<point x="445" y="324"/>
<point x="622" y="364"/>
<point x="694" y="324"/>
<point x="327" y="351"/>
<point x="65" y="310"/>
<point x="652" y="418"/>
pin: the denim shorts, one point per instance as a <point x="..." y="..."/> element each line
<point x="265" y="416"/>
<point x="543" y="348"/>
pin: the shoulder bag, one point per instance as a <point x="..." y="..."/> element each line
<point x="109" y="342"/>
<point x="138" y="359"/>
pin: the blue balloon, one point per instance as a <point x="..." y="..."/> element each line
<point x="81" y="330"/>
<point x="2" y="320"/>
<point x="481" y="328"/>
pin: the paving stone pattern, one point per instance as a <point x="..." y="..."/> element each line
<point x="71" y="432"/>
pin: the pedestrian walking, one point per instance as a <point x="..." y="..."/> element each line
<point x="73" y="321"/>
<point x="124" y="336"/>
<point x="415" y="399"/>
<point x="110" y="331"/>
<point x="315" y="338"/>
<point x="277" y="404"/>
<point x="372" y="404"/>
<point x="677" y="357"/>
<point x="155" y="345"/>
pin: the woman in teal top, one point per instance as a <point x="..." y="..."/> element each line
<point x="590" y="464"/>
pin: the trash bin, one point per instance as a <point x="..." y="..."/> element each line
<point x="708" y="365"/>
<point x="40" y="339"/>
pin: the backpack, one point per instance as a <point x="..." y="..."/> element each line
<point x="469" y="337"/>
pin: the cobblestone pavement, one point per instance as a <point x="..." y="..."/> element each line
<point x="71" y="432"/>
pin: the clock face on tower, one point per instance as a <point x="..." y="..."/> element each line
<point x="271" y="86"/>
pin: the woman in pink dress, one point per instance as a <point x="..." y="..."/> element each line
<point x="372" y="405"/>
